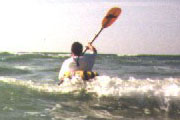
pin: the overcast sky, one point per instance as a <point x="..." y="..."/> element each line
<point x="144" y="27"/>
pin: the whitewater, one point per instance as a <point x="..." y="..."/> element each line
<point x="128" y="87"/>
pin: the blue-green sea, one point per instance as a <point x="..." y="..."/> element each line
<point x="129" y="87"/>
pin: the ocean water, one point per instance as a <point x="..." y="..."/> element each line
<point x="139" y="87"/>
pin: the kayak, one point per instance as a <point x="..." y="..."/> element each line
<point x="84" y="75"/>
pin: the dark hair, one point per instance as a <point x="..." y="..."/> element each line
<point x="77" y="48"/>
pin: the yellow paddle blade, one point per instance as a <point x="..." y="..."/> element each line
<point x="111" y="17"/>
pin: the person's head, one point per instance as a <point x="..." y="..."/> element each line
<point x="77" y="49"/>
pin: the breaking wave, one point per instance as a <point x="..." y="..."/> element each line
<point x="148" y="96"/>
<point x="107" y="86"/>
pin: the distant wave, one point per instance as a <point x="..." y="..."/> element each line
<point x="162" y="55"/>
<point x="4" y="71"/>
<point x="148" y="60"/>
<point x="51" y="54"/>
<point x="9" y="57"/>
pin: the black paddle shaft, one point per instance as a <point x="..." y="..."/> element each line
<point x="94" y="39"/>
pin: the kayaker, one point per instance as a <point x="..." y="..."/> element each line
<point x="78" y="61"/>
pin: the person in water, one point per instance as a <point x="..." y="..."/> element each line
<point x="78" y="61"/>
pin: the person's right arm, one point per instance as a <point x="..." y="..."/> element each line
<point x="92" y="48"/>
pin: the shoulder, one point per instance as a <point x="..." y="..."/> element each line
<point x="90" y="55"/>
<point x="69" y="60"/>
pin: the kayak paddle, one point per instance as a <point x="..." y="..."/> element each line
<point x="108" y="20"/>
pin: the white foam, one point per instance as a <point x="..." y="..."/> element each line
<point x="107" y="86"/>
<point x="23" y="67"/>
<point x="64" y="55"/>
